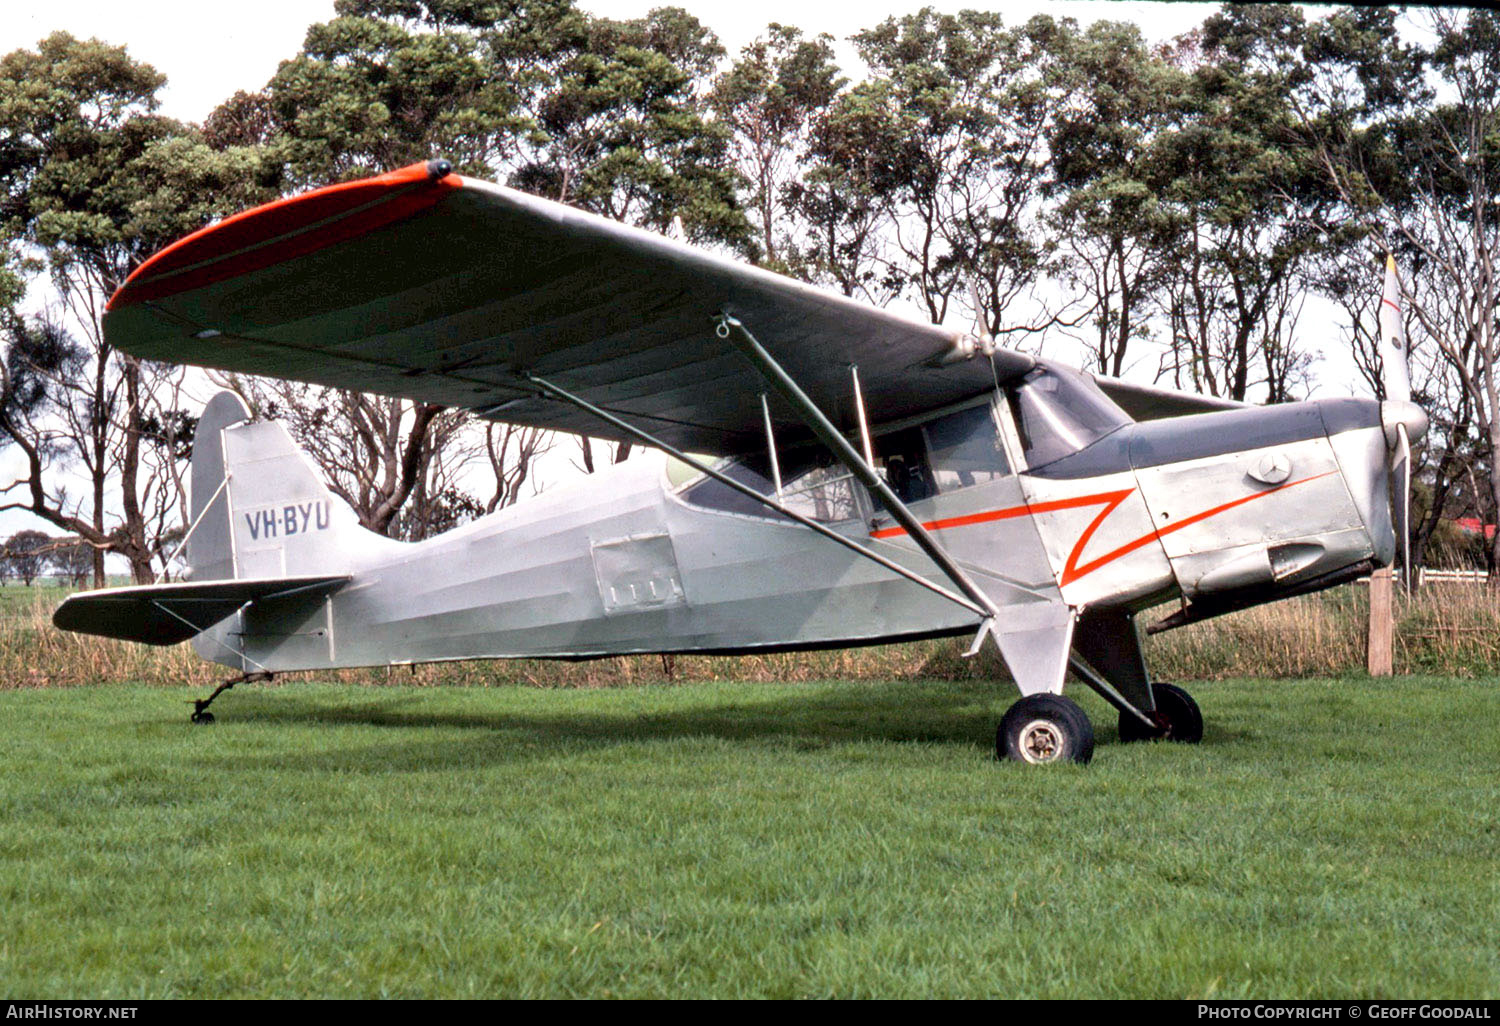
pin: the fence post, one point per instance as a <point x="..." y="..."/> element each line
<point x="1378" y="649"/>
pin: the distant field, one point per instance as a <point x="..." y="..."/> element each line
<point x="1332" y="837"/>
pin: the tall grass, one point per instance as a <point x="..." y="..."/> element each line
<point x="1451" y="629"/>
<point x="1445" y="628"/>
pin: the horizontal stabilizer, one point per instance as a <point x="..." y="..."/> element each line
<point x="164" y="614"/>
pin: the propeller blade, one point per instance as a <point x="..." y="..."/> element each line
<point x="1402" y="461"/>
<point x="982" y="329"/>
<point x="1395" y="373"/>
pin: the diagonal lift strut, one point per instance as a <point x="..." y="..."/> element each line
<point x="563" y="395"/>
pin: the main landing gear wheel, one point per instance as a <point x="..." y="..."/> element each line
<point x="1045" y="728"/>
<point x="1177" y="716"/>
<point x="201" y="718"/>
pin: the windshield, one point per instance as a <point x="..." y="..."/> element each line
<point x="1058" y="412"/>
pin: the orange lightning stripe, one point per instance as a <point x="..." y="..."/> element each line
<point x="1111" y="501"/>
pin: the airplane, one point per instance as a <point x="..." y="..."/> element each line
<point x="820" y="472"/>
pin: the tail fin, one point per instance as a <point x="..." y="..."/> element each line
<point x="265" y="512"/>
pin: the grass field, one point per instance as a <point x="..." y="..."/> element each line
<point x="1335" y="838"/>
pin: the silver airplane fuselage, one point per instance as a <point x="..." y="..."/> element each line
<point x="1231" y="507"/>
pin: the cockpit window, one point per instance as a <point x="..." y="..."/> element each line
<point x="964" y="449"/>
<point x="957" y="450"/>
<point x="901" y="458"/>
<point x="812" y="484"/>
<point x="1059" y="412"/>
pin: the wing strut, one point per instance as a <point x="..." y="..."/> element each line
<point x="765" y="410"/>
<point x="731" y="329"/>
<point x="553" y="391"/>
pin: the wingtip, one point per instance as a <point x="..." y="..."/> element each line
<point x="244" y="242"/>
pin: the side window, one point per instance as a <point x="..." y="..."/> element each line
<point x="902" y="456"/>
<point x="812" y="484"/>
<point x="824" y="493"/>
<point x="964" y="449"/>
<point x="712" y="494"/>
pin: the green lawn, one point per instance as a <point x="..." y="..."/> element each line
<point x="1330" y="838"/>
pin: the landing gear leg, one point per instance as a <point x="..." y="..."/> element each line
<point x="200" y="714"/>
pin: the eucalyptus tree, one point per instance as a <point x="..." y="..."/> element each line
<point x="73" y="559"/>
<point x="622" y="126"/>
<point x="92" y="180"/>
<point x="1406" y="127"/>
<point x="1112" y="227"/>
<point x="837" y="201"/>
<point x="385" y="83"/>
<point x="1247" y="207"/>
<point x="768" y="97"/>
<point x="26" y="554"/>
<point x="607" y="115"/>
<point x="949" y="138"/>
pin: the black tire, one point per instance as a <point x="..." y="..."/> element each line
<point x="1043" y="729"/>
<point x="203" y="719"/>
<point x="1178" y="717"/>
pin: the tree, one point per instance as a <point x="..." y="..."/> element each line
<point x="27" y="554"/>
<point x="372" y="450"/>
<point x="622" y="126"/>
<point x="599" y="113"/>
<point x="1107" y="212"/>
<point x="382" y="85"/>
<point x="512" y="451"/>
<point x="622" y="129"/>
<point x="950" y="136"/>
<point x="93" y="181"/>
<point x="1409" y="140"/>
<point x="1247" y="205"/>
<point x="837" y="202"/>
<point x="73" y="558"/>
<point x="768" y="98"/>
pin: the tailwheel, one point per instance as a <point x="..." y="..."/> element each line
<point x="1045" y="728"/>
<point x="200" y="714"/>
<point x="1177" y="718"/>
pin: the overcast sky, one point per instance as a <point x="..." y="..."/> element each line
<point x="207" y="50"/>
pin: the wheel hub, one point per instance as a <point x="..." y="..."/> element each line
<point x="1041" y="741"/>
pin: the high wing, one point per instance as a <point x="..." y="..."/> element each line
<point x="1146" y="402"/>
<point x="429" y="285"/>
<point x="164" y="614"/>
